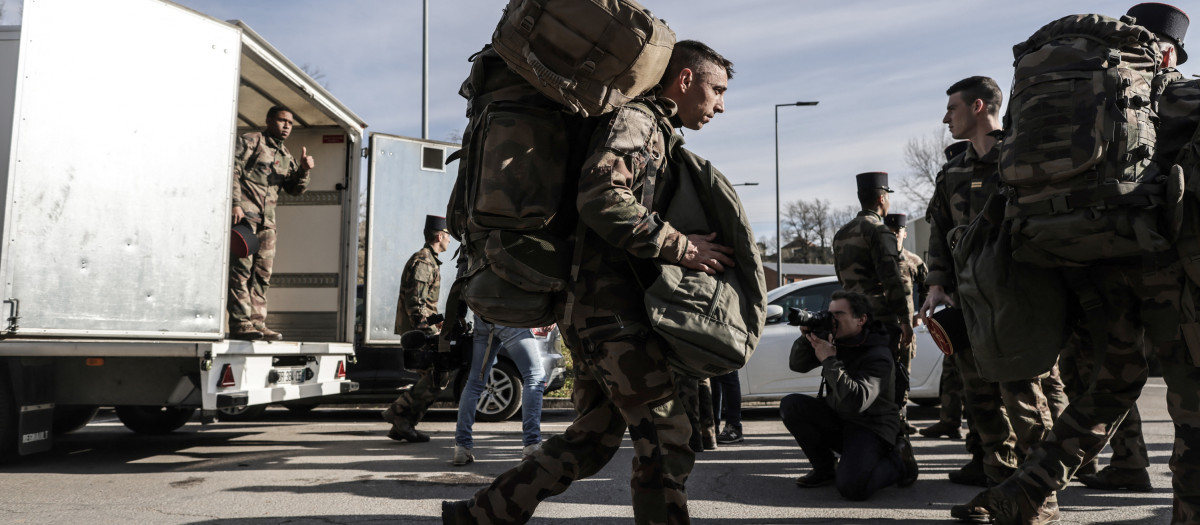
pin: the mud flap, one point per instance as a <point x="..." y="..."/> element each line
<point x="33" y="390"/>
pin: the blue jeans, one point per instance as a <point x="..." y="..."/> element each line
<point x="526" y="353"/>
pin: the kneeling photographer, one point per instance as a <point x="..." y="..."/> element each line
<point x="855" y="412"/>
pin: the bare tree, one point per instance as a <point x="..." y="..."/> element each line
<point x="808" y="228"/>
<point x="924" y="156"/>
<point x="316" y="74"/>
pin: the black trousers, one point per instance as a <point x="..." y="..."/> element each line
<point x="868" y="462"/>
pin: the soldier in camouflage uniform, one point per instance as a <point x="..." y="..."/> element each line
<point x="623" y="380"/>
<point x="420" y="285"/>
<point x="261" y="166"/>
<point x="1009" y="417"/>
<point x="913" y="271"/>
<point x="1132" y="300"/>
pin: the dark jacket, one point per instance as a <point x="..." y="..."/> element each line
<point x="859" y="382"/>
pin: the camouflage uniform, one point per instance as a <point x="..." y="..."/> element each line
<point x="960" y="190"/>
<point x="261" y="166"/>
<point x="420" y="285"/>
<point x="867" y="261"/>
<point x="1128" y="444"/>
<point x="913" y="272"/>
<point x="623" y="378"/>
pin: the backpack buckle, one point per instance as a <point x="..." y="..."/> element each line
<point x="1059" y="204"/>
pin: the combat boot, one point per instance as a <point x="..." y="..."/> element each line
<point x="267" y="333"/>
<point x="1116" y="478"/>
<point x="971" y="474"/>
<point x="245" y="332"/>
<point x="1087" y="469"/>
<point x="1007" y="504"/>
<point x="942" y="428"/>
<point x="402" y="430"/>
<point x="457" y="513"/>
<point x="709" y="438"/>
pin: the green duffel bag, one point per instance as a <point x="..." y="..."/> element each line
<point x="1016" y="313"/>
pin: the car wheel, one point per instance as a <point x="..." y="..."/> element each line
<point x="501" y="397"/>
<point x="242" y="413"/>
<point x="927" y="401"/>
<point x="153" y="420"/>
<point x="69" y="418"/>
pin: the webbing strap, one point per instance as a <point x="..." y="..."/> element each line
<point x="1093" y="313"/>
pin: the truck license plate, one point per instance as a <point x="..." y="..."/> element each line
<point x="290" y="375"/>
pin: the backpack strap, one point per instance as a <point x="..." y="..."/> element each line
<point x="1093" y="315"/>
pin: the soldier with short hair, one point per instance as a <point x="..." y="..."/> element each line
<point x="420" y="286"/>
<point x="913" y="272"/>
<point x="262" y="166"/>
<point x="623" y="380"/>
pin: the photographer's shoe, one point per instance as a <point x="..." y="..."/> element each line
<point x="817" y="477"/>
<point x="730" y="435"/>
<point x="1116" y="478"/>
<point x="909" y="461"/>
<point x="457" y="513"/>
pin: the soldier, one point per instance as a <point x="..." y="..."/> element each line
<point x="968" y="178"/>
<point x="261" y="165"/>
<point x="623" y="380"/>
<point x="420" y="285"/>
<point x="913" y="271"/>
<point x="1123" y="301"/>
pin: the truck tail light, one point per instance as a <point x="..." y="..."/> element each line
<point x="341" y="370"/>
<point x="227" y="376"/>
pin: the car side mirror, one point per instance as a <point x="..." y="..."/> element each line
<point x="774" y="313"/>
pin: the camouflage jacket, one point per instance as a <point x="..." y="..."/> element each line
<point x="914" y="273"/>
<point x="867" y="261"/>
<point x="1178" y="114"/>
<point x="262" y="165"/>
<point x="959" y="192"/>
<point x="420" y="286"/>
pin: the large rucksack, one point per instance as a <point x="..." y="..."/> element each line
<point x="592" y="56"/>
<point x="513" y="205"/>
<point x="1079" y="136"/>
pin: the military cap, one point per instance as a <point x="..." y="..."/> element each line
<point x="873" y="180"/>
<point x="1166" y="21"/>
<point x="434" y="223"/>
<point x="896" y="221"/>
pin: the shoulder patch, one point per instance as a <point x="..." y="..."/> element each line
<point x="630" y="130"/>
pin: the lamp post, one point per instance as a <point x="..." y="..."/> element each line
<point x="778" y="216"/>
<point x="745" y="184"/>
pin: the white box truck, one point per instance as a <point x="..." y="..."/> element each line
<point x="117" y="129"/>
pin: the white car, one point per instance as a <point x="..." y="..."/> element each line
<point x="767" y="376"/>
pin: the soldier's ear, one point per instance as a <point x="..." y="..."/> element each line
<point x="978" y="106"/>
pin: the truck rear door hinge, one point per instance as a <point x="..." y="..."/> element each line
<point x="366" y="152"/>
<point x="14" y="316"/>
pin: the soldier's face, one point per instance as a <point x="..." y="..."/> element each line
<point x="959" y="117"/>
<point x="700" y="95"/>
<point x="280" y="126"/>
<point x="443" y="241"/>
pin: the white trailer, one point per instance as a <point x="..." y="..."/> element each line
<point x="116" y="221"/>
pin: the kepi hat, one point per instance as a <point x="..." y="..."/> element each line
<point x="1166" y="21"/>
<point x="873" y="180"/>
<point x="896" y="221"/>
<point x="435" y="223"/>
<point x="242" y="241"/>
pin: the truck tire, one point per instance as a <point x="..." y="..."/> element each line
<point x="501" y="398"/>
<point x="153" y="420"/>
<point x="69" y="418"/>
<point x="244" y="413"/>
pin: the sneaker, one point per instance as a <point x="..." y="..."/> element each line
<point x="462" y="456"/>
<point x="730" y="435"/>
<point x="817" y="477"/>
<point x="970" y="474"/>
<point x="457" y="513"/>
<point x="1116" y="478"/>
<point x="528" y="450"/>
<point x="942" y="428"/>
<point x="909" y="460"/>
<point x="1007" y="503"/>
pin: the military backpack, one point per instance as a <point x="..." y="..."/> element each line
<point x="1079" y="137"/>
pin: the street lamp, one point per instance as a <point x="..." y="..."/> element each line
<point x="778" y="217"/>
<point x="745" y="184"/>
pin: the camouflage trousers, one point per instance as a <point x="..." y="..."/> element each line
<point x="414" y="402"/>
<point x="1009" y="417"/>
<point x="1128" y="444"/>
<point x="249" y="279"/>
<point x="659" y="430"/>
<point x="1134" y="302"/>
<point x="695" y="395"/>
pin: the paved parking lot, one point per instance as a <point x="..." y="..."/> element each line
<point x="336" y="466"/>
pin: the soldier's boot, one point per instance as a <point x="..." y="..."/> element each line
<point x="1088" y="468"/>
<point x="971" y="474"/>
<point x="457" y="513"/>
<point x="909" y="475"/>
<point x="245" y="332"/>
<point x="402" y="430"/>
<point x="1116" y="478"/>
<point x="267" y="333"/>
<point x="708" y="436"/>
<point x="1008" y="504"/>
<point x="942" y="428"/>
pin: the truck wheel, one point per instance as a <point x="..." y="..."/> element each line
<point x="69" y="418"/>
<point x="245" y="413"/>
<point x="8" y="421"/>
<point x="153" y="420"/>
<point x="501" y="398"/>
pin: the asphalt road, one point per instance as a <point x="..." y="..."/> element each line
<point x="336" y="466"/>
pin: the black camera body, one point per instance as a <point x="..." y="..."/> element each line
<point x="421" y="349"/>
<point x="821" y="324"/>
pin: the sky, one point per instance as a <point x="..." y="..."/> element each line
<point x="878" y="69"/>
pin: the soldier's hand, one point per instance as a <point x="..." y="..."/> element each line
<point x="937" y="297"/>
<point x="704" y="255"/>
<point x="906" y="335"/>
<point x="238" y="215"/>
<point x="306" y="162"/>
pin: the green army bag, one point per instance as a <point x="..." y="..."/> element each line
<point x="711" y="322"/>
<point x="1015" y="312"/>
<point x="592" y="56"/>
<point x="1078" y="141"/>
